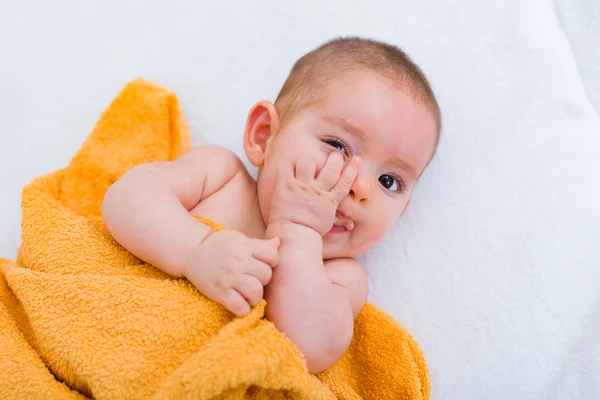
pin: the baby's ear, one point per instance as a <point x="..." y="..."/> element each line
<point x="261" y="125"/>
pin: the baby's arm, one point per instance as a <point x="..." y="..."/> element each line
<point x="312" y="303"/>
<point x="146" y="210"/>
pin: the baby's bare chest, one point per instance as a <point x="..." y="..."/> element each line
<point x="235" y="207"/>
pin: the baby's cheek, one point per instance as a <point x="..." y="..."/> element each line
<point x="384" y="225"/>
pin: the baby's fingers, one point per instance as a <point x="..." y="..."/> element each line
<point x="266" y="250"/>
<point x="347" y="178"/>
<point x="249" y="287"/>
<point x="259" y="270"/>
<point x="235" y="302"/>
<point x="330" y="172"/>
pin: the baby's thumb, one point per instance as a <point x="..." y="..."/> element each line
<point x="276" y="241"/>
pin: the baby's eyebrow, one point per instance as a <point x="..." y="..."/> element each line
<point x="347" y="126"/>
<point x="408" y="168"/>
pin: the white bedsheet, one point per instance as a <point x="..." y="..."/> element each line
<point x="495" y="267"/>
<point x="581" y="22"/>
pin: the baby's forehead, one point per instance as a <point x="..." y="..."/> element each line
<point x="340" y="83"/>
<point x="368" y="88"/>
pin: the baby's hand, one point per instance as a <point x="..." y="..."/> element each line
<point x="232" y="269"/>
<point x="303" y="199"/>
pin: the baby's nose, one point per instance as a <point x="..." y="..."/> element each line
<point x="361" y="190"/>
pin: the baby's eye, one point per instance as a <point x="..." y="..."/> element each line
<point x="391" y="183"/>
<point x="337" y="144"/>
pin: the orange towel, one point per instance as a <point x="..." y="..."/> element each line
<point x="81" y="317"/>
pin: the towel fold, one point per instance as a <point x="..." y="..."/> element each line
<point x="82" y="317"/>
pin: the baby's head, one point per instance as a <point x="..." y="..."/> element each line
<point x="361" y="97"/>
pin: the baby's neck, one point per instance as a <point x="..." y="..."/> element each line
<point x="256" y="226"/>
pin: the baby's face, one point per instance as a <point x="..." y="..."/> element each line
<point x="363" y="114"/>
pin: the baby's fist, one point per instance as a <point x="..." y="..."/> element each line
<point x="232" y="269"/>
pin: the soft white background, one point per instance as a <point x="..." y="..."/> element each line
<point x="495" y="267"/>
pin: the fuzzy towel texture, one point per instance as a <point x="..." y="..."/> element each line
<point x="81" y="317"/>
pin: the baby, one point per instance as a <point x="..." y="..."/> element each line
<point x="339" y="154"/>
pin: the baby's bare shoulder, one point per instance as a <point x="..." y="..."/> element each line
<point x="220" y="164"/>
<point x="199" y="172"/>
<point x="215" y="155"/>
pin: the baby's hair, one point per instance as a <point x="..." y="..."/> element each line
<point x="315" y="70"/>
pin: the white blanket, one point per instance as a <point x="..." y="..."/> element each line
<point x="495" y="266"/>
